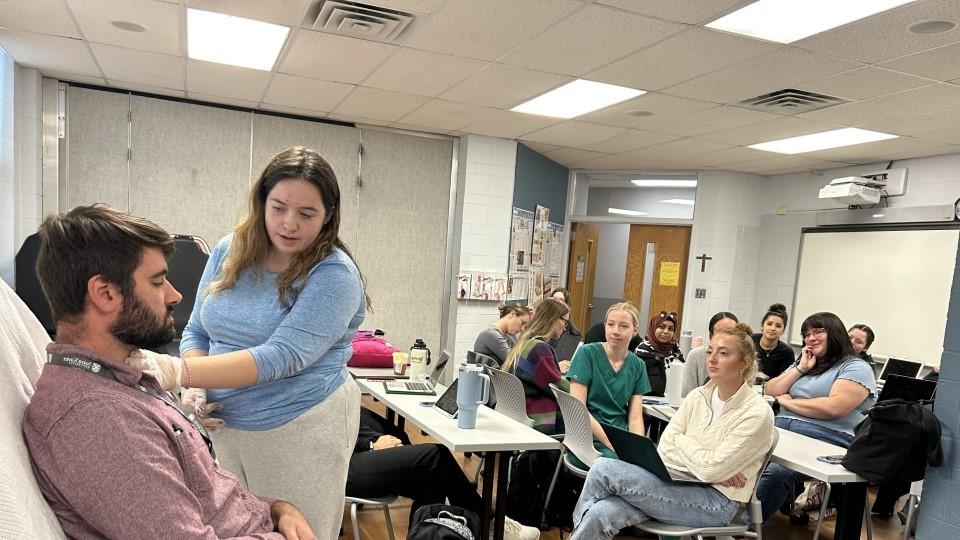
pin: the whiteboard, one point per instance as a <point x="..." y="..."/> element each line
<point x="897" y="281"/>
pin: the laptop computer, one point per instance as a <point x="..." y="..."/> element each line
<point x="566" y="347"/>
<point x="641" y="451"/>
<point x="908" y="388"/>
<point x="897" y="366"/>
<point x="420" y="387"/>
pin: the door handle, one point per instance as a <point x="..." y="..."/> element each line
<point x="590" y="306"/>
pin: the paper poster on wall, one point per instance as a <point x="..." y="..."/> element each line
<point x="541" y="219"/>
<point x="669" y="274"/>
<point x="517" y="286"/>
<point x="553" y="248"/>
<point x="482" y="287"/>
<point x="521" y="236"/>
<point x="464" y="282"/>
<point x="536" y="285"/>
<point x="581" y="268"/>
<point x="499" y="288"/>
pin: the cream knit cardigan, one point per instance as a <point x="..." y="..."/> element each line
<point x="736" y="443"/>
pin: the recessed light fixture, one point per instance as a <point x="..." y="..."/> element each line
<point x="933" y="27"/>
<point x="639" y="113"/>
<point x="822" y="141"/>
<point x="128" y="26"/>
<point x="665" y="183"/>
<point x="878" y="215"/>
<point x="786" y="21"/>
<point x="576" y="98"/>
<point x="687" y="202"/>
<point x="623" y="212"/>
<point x="235" y="41"/>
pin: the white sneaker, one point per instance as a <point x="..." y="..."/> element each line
<point x="514" y="530"/>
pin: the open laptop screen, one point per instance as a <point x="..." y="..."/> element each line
<point x="897" y="366"/>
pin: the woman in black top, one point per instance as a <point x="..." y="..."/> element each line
<point x="659" y="348"/>
<point x="861" y="338"/>
<point x="773" y="355"/>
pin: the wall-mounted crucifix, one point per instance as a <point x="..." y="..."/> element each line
<point x="703" y="261"/>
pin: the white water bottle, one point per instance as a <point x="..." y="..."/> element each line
<point x="674" y="382"/>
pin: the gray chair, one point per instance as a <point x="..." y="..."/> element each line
<point x="737" y="527"/>
<point x="383" y="502"/>
<point x="511" y="400"/>
<point x="577" y="438"/>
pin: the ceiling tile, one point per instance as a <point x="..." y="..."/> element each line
<point x="226" y="81"/>
<point x="332" y="58"/>
<point x="71" y="77"/>
<point x="283" y="12"/>
<point x="147" y="89"/>
<point x="678" y="149"/>
<point x="709" y="120"/>
<point x="379" y="104"/>
<point x="423" y="73"/>
<point x="416" y="6"/>
<point x="947" y="135"/>
<point x="163" y="21"/>
<point x="486" y="30"/>
<point x="418" y="128"/>
<point x="630" y="139"/>
<point x="541" y="148"/>
<point x="684" y="56"/>
<point x="685" y="11"/>
<point x="503" y="86"/>
<point x="447" y="115"/>
<point x="566" y="156"/>
<point x="864" y="83"/>
<point x="661" y="105"/>
<point x="40" y="16"/>
<point x="918" y="124"/>
<point x="306" y="94"/>
<point x="223" y="100"/>
<point x="573" y="133"/>
<point x="614" y="162"/>
<point x="875" y="151"/>
<point x="780" y="163"/>
<point x="140" y="67"/>
<point x="942" y="64"/>
<point x="769" y="130"/>
<point x="509" y="124"/>
<point x="883" y="37"/>
<point x="49" y="53"/>
<point x="591" y="37"/>
<point x="784" y="68"/>
<point x="909" y="103"/>
<point x="731" y="155"/>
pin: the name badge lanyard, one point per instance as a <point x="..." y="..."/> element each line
<point x="92" y="366"/>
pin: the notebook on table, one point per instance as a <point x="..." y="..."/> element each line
<point x="641" y="451"/>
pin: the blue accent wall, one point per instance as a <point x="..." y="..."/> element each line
<point x="542" y="181"/>
<point x="940" y="506"/>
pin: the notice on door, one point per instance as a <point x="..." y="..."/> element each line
<point x="669" y="274"/>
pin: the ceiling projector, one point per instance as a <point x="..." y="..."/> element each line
<point x="853" y="190"/>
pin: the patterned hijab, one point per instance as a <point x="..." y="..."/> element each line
<point x="662" y="348"/>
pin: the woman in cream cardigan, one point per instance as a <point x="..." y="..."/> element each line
<point x="720" y="434"/>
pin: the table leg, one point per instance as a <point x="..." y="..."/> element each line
<point x="489" y="466"/>
<point x="849" y="510"/>
<point x="503" y="469"/>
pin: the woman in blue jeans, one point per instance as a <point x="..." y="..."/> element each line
<point x="720" y="434"/>
<point x="823" y="395"/>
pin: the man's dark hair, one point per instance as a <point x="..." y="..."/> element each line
<point x="88" y="241"/>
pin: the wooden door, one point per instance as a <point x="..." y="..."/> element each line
<point x="670" y="248"/>
<point x="582" y="268"/>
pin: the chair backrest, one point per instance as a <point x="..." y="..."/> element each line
<point x="24" y="513"/>
<point x="755" y="511"/>
<point x="578" y="435"/>
<point x="28" y="285"/>
<point x="185" y="270"/>
<point x="511" y="400"/>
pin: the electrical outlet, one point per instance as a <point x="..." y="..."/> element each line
<point x="700" y="293"/>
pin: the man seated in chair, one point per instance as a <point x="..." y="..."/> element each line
<point x="113" y="454"/>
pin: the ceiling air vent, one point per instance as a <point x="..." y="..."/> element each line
<point x="364" y="21"/>
<point x="791" y="101"/>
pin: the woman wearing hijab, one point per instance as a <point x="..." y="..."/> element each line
<point x="658" y="349"/>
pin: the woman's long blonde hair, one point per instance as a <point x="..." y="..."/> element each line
<point x="251" y="244"/>
<point x="545" y="315"/>
<point x="742" y="335"/>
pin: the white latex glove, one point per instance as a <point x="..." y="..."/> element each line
<point x="166" y="369"/>
<point x="195" y="400"/>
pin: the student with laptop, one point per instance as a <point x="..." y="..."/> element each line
<point x="721" y="435"/>
<point x="823" y="395"/>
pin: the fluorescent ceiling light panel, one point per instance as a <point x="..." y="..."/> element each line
<point x="623" y="212"/>
<point x="576" y="98"/>
<point x="687" y="202"/>
<point x="665" y="183"/>
<point x="235" y="41"/>
<point x="786" y="21"/>
<point x="822" y="141"/>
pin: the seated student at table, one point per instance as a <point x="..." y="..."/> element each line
<point x="773" y="356"/>
<point x="563" y="295"/>
<point x="823" y="395"/>
<point x="695" y="368"/>
<point x="533" y="361"/>
<point x="861" y="338"/>
<point x="497" y="340"/>
<point x="721" y="434"/>
<point x="610" y="379"/>
<point x="660" y="340"/>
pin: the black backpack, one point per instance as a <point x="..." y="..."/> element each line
<point x="444" y="522"/>
<point x="895" y="442"/>
<point x="530" y="476"/>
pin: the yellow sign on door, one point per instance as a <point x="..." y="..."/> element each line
<point x="669" y="274"/>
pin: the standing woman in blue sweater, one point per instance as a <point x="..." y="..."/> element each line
<point x="270" y="335"/>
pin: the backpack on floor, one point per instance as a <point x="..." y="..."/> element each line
<point x="530" y="476"/>
<point x="444" y="522"/>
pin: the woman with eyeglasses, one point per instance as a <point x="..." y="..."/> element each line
<point x="823" y="395"/>
<point x="658" y="349"/>
<point x="533" y="361"/>
<point x="773" y="355"/>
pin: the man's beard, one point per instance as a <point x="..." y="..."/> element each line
<point x="140" y="327"/>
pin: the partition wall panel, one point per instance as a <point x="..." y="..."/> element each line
<point x="96" y="167"/>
